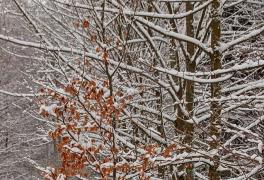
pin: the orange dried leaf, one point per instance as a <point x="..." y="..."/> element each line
<point x="105" y="56"/>
<point x="44" y="113"/>
<point x="70" y="89"/>
<point x="76" y="24"/>
<point x="97" y="49"/>
<point x="93" y="38"/>
<point x="85" y="24"/>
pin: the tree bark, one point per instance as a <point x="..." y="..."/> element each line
<point x="189" y="128"/>
<point x="215" y="121"/>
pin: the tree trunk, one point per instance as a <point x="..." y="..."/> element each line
<point x="189" y="89"/>
<point x="215" y="121"/>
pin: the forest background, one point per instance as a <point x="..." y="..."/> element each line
<point x="151" y="89"/>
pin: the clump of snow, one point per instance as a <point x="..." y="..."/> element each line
<point x="49" y="109"/>
<point x="259" y="159"/>
<point x="76" y="150"/>
<point x="260" y="146"/>
<point x="107" y="165"/>
<point x="221" y="168"/>
<point x="131" y="91"/>
<point x="214" y="152"/>
<point x="106" y="92"/>
<point x="211" y="138"/>
<point x="253" y="156"/>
